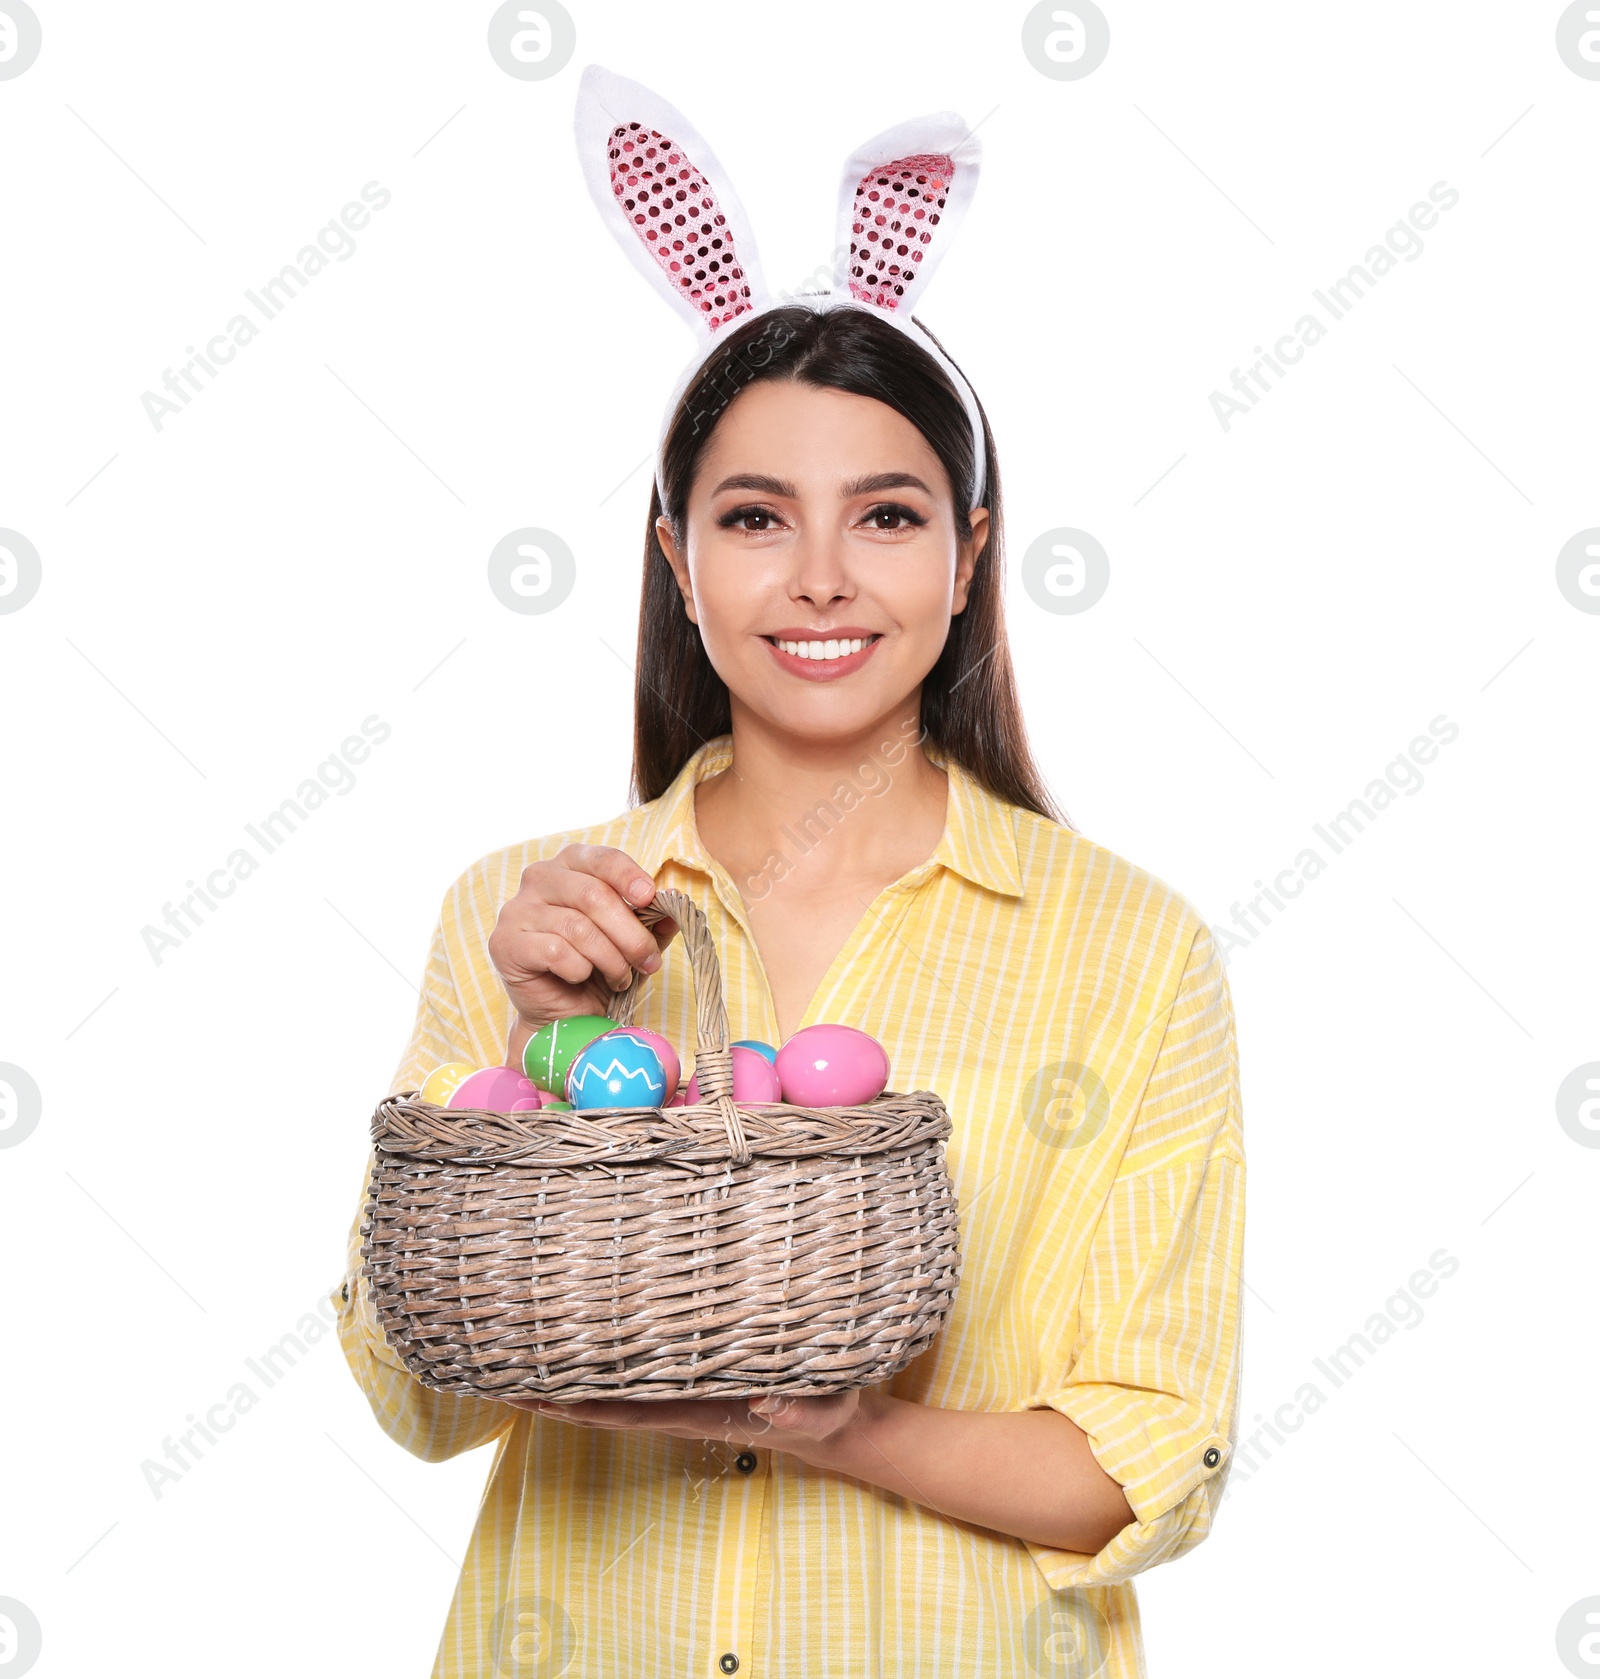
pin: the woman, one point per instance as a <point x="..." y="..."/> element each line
<point x="832" y="765"/>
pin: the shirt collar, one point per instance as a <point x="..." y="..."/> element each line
<point x="979" y="842"/>
<point x="980" y="834"/>
<point x="669" y="827"/>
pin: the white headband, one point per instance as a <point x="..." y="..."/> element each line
<point x="668" y="203"/>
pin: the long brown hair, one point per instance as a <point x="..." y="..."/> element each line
<point x="970" y="711"/>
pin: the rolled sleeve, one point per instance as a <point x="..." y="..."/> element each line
<point x="430" y="1425"/>
<point x="1153" y="1381"/>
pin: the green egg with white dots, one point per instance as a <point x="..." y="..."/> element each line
<point x="551" y="1050"/>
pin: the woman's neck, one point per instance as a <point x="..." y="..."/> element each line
<point x="811" y="833"/>
<point x="793" y="817"/>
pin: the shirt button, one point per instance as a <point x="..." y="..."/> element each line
<point x="744" y="1463"/>
<point x="728" y="1662"/>
<point x="1212" y="1458"/>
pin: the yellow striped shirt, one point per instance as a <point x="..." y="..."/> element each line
<point x="1073" y="1012"/>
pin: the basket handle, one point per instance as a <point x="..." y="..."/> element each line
<point x="713" y="1060"/>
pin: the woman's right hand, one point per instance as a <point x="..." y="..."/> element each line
<point x="569" y="941"/>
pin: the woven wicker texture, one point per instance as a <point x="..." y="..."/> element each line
<point x="712" y="1251"/>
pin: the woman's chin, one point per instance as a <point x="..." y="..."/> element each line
<point x="841" y="709"/>
<point x="836" y="712"/>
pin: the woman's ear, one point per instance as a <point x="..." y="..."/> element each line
<point x="679" y="562"/>
<point x="967" y="559"/>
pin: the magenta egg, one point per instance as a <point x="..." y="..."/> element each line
<point x="665" y="1053"/>
<point x="830" y="1066"/>
<point x="494" y="1088"/>
<point x="755" y="1079"/>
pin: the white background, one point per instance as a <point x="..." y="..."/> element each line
<point x="305" y="545"/>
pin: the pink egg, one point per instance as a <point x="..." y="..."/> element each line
<point x="494" y="1088"/>
<point x="755" y="1079"/>
<point x="527" y="1104"/>
<point x="665" y="1053"/>
<point x="832" y="1067"/>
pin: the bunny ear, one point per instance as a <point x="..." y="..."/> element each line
<point x="659" y="188"/>
<point x="901" y="198"/>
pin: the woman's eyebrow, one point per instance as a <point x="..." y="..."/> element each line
<point x="869" y="485"/>
<point x="757" y="481"/>
<point x="873" y="482"/>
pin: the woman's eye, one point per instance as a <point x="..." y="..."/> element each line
<point x="887" y="516"/>
<point x="739" y="516"/>
<point x="893" y="516"/>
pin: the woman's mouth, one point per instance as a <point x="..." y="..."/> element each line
<point x="822" y="657"/>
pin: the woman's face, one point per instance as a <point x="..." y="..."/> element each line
<point x="821" y="560"/>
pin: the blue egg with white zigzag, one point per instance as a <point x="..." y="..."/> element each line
<point x="618" y="1070"/>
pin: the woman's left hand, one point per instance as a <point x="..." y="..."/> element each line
<point x="792" y="1424"/>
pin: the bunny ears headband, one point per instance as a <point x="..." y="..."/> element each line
<point x="668" y="203"/>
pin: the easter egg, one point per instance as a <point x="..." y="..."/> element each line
<point x="494" y="1088"/>
<point x="670" y="1064"/>
<point x="754" y="1078"/>
<point x="553" y="1106"/>
<point x="760" y="1048"/>
<point x="548" y="1054"/>
<point x="829" y="1066"/>
<point x="618" y="1070"/>
<point x="528" y="1104"/>
<point x="441" y="1082"/>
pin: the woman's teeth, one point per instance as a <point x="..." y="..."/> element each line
<point x="825" y="649"/>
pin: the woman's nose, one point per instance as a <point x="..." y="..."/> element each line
<point x="820" y="575"/>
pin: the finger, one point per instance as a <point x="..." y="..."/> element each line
<point x="547" y="952"/>
<point x="574" y="929"/>
<point x="601" y="1413"/>
<point x="605" y="907"/>
<point x="794" y="1414"/>
<point x="616" y="868"/>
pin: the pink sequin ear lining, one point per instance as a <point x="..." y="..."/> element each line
<point x="672" y="208"/>
<point x="897" y="208"/>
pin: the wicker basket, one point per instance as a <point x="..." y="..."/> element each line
<point x="712" y="1251"/>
